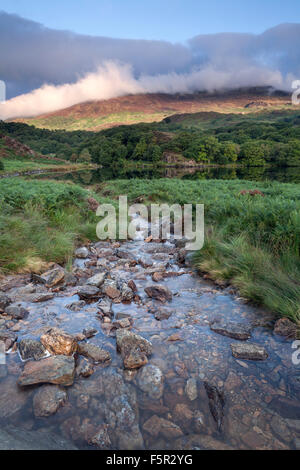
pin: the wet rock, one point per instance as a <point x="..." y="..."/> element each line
<point x="250" y="351"/>
<point x="76" y="306"/>
<point x="130" y="440"/>
<point x="132" y="285"/>
<point x="48" y="399"/>
<point x="122" y="323"/>
<point x="57" y="342"/>
<point x="8" y="338"/>
<point x="216" y="403"/>
<point x="101" y="439"/>
<point x="111" y="292"/>
<point x="12" y="398"/>
<point x="42" y="297"/>
<point x="151" y="381"/>
<point x="58" y="370"/>
<point x="181" y="256"/>
<point x="51" y="278"/>
<point x="200" y="442"/>
<point x="82" y="252"/>
<point x="84" y="369"/>
<point x="162" y="314"/>
<point x="31" y="349"/>
<point x="126" y="294"/>
<point x="145" y="263"/>
<point x="286" y="407"/>
<point x="231" y="329"/>
<point x="183" y="416"/>
<point x="4" y="301"/>
<point x="285" y="327"/>
<point x="16" y="311"/>
<point x="157" y="276"/>
<point x="91" y="351"/>
<point x="157" y="426"/>
<point x="134" y="349"/>
<point x="199" y="422"/>
<point x="13" y="438"/>
<point x="297" y="443"/>
<point x="97" y="280"/>
<point x="88" y="292"/>
<point x="280" y="428"/>
<point x="105" y="307"/>
<point x="159" y="292"/>
<point x="89" y="332"/>
<point x="191" y="389"/>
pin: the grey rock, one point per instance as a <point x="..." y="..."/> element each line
<point x="76" y="306"/>
<point x="159" y="292"/>
<point x="89" y="332"/>
<point x="151" y="381"/>
<point x="134" y="349"/>
<point x="191" y="389"/>
<point x="250" y="351"/>
<point x="8" y="338"/>
<point x="82" y="252"/>
<point x="16" y="311"/>
<point x="231" y="329"/>
<point x="88" y="292"/>
<point x="96" y="280"/>
<point x="31" y="349"/>
<point x="98" y="355"/>
<point x="4" y="301"/>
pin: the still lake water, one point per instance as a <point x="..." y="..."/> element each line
<point x="85" y="178"/>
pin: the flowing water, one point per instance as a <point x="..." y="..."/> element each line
<point x="259" y="399"/>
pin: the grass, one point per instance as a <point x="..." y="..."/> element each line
<point x="252" y="242"/>
<point x="41" y="220"/>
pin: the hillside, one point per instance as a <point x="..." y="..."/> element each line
<point x="132" y="109"/>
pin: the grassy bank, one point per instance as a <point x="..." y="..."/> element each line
<point x="41" y="221"/>
<point x="251" y="241"/>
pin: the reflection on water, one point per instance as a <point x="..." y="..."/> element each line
<point x="86" y="178"/>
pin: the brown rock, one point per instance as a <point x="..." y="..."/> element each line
<point x="284" y="327"/>
<point x="98" y="355"/>
<point x="250" y="351"/>
<point x="157" y="277"/>
<point x="57" y="341"/>
<point x="159" y="292"/>
<point x="134" y="349"/>
<point x="112" y="292"/>
<point x="58" y="370"/>
<point x="48" y="399"/>
<point x="156" y="426"/>
<point x="101" y="439"/>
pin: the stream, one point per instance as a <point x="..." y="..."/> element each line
<point x="191" y="393"/>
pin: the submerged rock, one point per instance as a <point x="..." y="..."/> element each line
<point x="216" y="403"/>
<point x="151" y="381"/>
<point x="16" y="311"/>
<point x="157" y="426"/>
<point x="101" y="439"/>
<point x="48" y="399"/>
<point x="12" y="398"/>
<point x="231" y="329"/>
<point x="159" y="292"/>
<point x="58" y="370"/>
<point x="191" y="389"/>
<point x="134" y="349"/>
<point x="31" y="349"/>
<point x="93" y="352"/>
<point x="13" y="438"/>
<point x="57" y="342"/>
<point x="250" y="351"/>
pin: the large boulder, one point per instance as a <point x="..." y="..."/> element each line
<point x="159" y="292"/>
<point x="58" y="370"/>
<point x="48" y="399"/>
<point x="57" y="341"/>
<point x="134" y="349"/>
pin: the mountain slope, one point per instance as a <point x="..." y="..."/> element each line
<point x="133" y="109"/>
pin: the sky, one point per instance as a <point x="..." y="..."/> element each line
<point x="171" y="20"/>
<point x="54" y="54"/>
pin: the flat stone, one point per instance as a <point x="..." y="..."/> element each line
<point x="250" y="351"/>
<point x="151" y="381"/>
<point x="159" y="292"/>
<point x="48" y="399"/>
<point x="82" y="252"/>
<point x="88" y="292"/>
<point x="31" y="349"/>
<point x="232" y="330"/>
<point x="57" y="342"/>
<point x="96" y="280"/>
<point x="16" y="311"/>
<point x="134" y="349"/>
<point x="122" y="323"/>
<point x="58" y="370"/>
<point x="111" y="292"/>
<point x="98" y="355"/>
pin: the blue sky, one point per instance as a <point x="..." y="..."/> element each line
<point x="173" y="20"/>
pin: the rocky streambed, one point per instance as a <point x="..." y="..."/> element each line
<point x="133" y="350"/>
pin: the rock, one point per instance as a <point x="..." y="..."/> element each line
<point x="159" y="292"/>
<point x="13" y="438"/>
<point x="132" y="285"/>
<point x="76" y="306"/>
<point x="157" y="426"/>
<point x="16" y="311"/>
<point x="96" y="280"/>
<point x="126" y="294"/>
<point x="84" y="369"/>
<point x="162" y="314"/>
<point x="4" y="301"/>
<point x="231" y="329"/>
<point x="151" y="381"/>
<point x="296" y="443"/>
<point x="98" y="355"/>
<point x="216" y="403"/>
<point x="8" y="338"/>
<point x="200" y="442"/>
<point x="51" y="278"/>
<point x="183" y="416"/>
<point x="111" y="292"/>
<point x="58" y="370"/>
<point x="42" y="297"/>
<point x="134" y="349"/>
<point x="250" y="351"/>
<point x="286" y="407"/>
<point x="101" y="439"/>
<point x="199" y="422"/>
<point x="285" y="327"/>
<point x="31" y="349"/>
<point x="157" y="277"/>
<point x="181" y="256"/>
<point x="90" y="332"/>
<point x="82" y="252"/>
<point x="12" y="398"/>
<point x="130" y="440"/>
<point x="57" y="342"/>
<point x="122" y="323"/>
<point x="191" y="389"/>
<point x="48" y="399"/>
<point x="88" y="292"/>
<point x="105" y="307"/>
